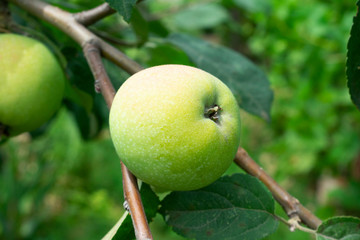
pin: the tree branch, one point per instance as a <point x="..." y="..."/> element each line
<point x="102" y="80"/>
<point x="92" y="45"/>
<point x="291" y="205"/>
<point x="68" y="24"/>
<point x="130" y="188"/>
<point x="133" y="200"/>
<point x="91" y="16"/>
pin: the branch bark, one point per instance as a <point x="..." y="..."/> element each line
<point x="93" y="46"/>
<point x="291" y="205"/>
<point x="102" y="80"/>
<point x="130" y="187"/>
<point x="91" y="16"/>
<point x="66" y="22"/>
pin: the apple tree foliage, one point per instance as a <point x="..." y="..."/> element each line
<point x="353" y="61"/>
<point x="234" y="207"/>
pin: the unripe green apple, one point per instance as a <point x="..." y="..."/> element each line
<point x="31" y="84"/>
<point x="175" y="127"/>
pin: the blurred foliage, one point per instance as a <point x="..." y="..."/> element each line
<point x="66" y="182"/>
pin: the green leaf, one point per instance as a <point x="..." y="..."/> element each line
<point x="201" y="16"/>
<point x="124" y="7"/>
<point x="78" y="70"/>
<point x="166" y="54"/>
<point x="158" y="28"/>
<point x="353" y="61"/>
<point x="262" y="6"/>
<point x="344" y="228"/>
<point x="248" y="83"/>
<point x="87" y="122"/>
<point x="140" y="27"/>
<point x="150" y="202"/>
<point x="236" y="207"/>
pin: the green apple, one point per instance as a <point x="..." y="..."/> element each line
<point x="175" y="127"/>
<point x="32" y="84"/>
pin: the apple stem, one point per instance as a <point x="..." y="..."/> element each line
<point x="213" y="113"/>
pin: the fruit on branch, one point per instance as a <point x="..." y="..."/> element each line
<point x="32" y="84"/>
<point x="175" y="127"/>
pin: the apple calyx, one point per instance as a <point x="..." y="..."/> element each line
<point x="213" y="113"/>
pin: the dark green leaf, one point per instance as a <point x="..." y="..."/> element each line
<point x="124" y="7"/>
<point x="248" y="82"/>
<point x="167" y="54"/>
<point x="78" y="70"/>
<point x="344" y="228"/>
<point x="87" y="122"/>
<point x="353" y="61"/>
<point x="140" y="27"/>
<point x="158" y="28"/>
<point x="236" y="207"/>
<point x="79" y="93"/>
<point x="150" y="202"/>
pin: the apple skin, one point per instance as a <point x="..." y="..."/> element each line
<point x="160" y="131"/>
<point x="32" y="84"/>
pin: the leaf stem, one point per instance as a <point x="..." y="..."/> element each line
<point x="294" y="224"/>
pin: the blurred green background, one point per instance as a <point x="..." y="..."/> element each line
<point x="57" y="185"/>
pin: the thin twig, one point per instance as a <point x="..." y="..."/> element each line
<point x="92" y="46"/>
<point x="91" y="16"/>
<point x="291" y="205"/>
<point x="293" y="225"/>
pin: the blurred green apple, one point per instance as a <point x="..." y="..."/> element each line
<point x="175" y="127"/>
<point x="32" y="84"/>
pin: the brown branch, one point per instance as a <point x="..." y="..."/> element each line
<point x="68" y="24"/>
<point x="130" y="188"/>
<point x="92" y="46"/>
<point x="119" y="58"/>
<point x="91" y="16"/>
<point x="133" y="200"/>
<point x="291" y="205"/>
<point x="102" y="80"/>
